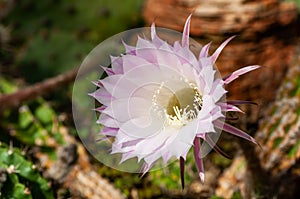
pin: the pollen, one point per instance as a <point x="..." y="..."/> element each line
<point x="180" y="107"/>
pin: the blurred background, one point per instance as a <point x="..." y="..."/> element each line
<point x="42" y="43"/>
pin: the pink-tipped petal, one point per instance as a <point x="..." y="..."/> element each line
<point x="109" y="71"/>
<point x="107" y="121"/>
<point x="104" y="138"/>
<point x="204" y="51"/>
<point x="229" y="107"/>
<point x="239" y="72"/>
<point x="131" y="142"/>
<point x="129" y="49"/>
<point x="117" y="65"/>
<point x="97" y="83"/>
<point x="100" y="109"/>
<point x="198" y="159"/>
<point x="155" y="39"/>
<point x="153" y="31"/>
<point x="233" y="130"/>
<point x="186" y="32"/>
<point x="126" y="156"/>
<point x="216" y="54"/>
<point x="108" y="131"/>
<point x="102" y="96"/>
<point x="145" y="168"/>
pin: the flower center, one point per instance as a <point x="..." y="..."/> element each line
<point x="180" y="107"/>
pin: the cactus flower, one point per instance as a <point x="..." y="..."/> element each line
<point x="161" y="100"/>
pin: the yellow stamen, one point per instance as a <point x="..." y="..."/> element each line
<point x="180" y="107"/>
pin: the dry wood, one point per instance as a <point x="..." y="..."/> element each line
<point x="16" y="99"/>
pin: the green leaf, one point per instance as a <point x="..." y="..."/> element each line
<point x="25" y="117"/>
<point x="45" y="114"/>
<point x="12" y="157"/>
<point x="6" y="86"/>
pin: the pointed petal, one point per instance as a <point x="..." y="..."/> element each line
<point x="116" y="65"/>
<point x="181" y="160"/>
<point x="233" y="130"/>
<point x="100" y="109"/>
<point x="127" y="156"/>
<point x="131" y="142"/>
<point x="107" y="121"/>
<point x="216" y="54"/>
<point x="229" y="107"/>
<point x="155" y="39"/>
<point x="186" y="32"/>
<point x="153" y="31"/>
<point x="109" y="71"/>
<point x="97" y="83"/>
<point x="104" y="138"/>
<point x="204" y="50"/>
<point x="198" y="159"/>
<point x="145" y="168"/>
<point x="129" y="49"/>
<point x="102" y="96"/>
<point x="109" y="131"/>
<point x="239" y="72"/>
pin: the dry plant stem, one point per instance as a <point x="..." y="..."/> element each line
<point x="14" y="100"/>
<point x="260" y="180"/>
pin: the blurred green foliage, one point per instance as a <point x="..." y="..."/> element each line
<point x="297" y="2"/>
<point x="35" y="124"/>
<point x="19" y="177"/>
<point x="55" y="35"/>
<point x="169" y="177"/>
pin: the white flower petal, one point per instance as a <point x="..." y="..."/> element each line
<point x="144" y="85"/>
<point x="102" y="96"/>
<point x="130" y="62"/>
<point x="107" y="121"/>
<point x="117" y="65"/>
<point x="128" y="108"/>
<point x="155" y="143"/>
<point x="186" y="32"/>
<point x="142" y="127"/>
